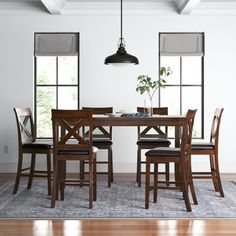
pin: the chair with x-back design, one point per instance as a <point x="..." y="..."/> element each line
<point x="70" y="145"/>
<point x="151" y="137"/>
<point x="180" y="157"/>
<point x="27" y="144"/>
<point x="102" y="139"/>
<point x="211" y="149"/>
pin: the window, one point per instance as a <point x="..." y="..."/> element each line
<point x="56" y="78"/>
<point x="184" y="87"/>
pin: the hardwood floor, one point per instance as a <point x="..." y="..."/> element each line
<point x="105" y="227"/>
<point x="117" y="227"/>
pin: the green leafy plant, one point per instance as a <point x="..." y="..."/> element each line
<point x="146" y="84"/>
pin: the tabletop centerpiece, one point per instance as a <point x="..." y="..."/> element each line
<point x="150" y="86"/>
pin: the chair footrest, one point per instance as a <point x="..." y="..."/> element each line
<point x="201" y="173"/>
<point x="159" y="173"/>
<point x="202" y="177"/>
<point x="98" y="173"/>
<point x="98" y="162"/>
<point x="165" y="187"/>
<point x="72" y="182"/>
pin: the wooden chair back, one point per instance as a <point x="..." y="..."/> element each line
<point x="214" y="137"/>
<point x="99" y="131"/>
<point x="67" y="125"/>
<point x="153" y="131"/>
<point x="186" y="139"/>
<point x="25" y="125"/>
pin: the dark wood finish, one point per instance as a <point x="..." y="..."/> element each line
<point x="180" y="156"/>
<point x="69" y="145"/>
<point x="155" y="120"/>
<point x="150" y="137"/>
<point x="102" y="139"/>
<point x="27" y="144"/>
<point x="211" y="149"/>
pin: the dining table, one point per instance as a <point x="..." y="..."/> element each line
<point x="175" y="121"/>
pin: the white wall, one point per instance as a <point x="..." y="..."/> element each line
<point x="102" y="85"/>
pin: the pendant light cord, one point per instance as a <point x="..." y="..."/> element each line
<point x="121" y="21"/>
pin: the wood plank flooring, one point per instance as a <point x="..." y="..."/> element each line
<point x="118" y="227"/>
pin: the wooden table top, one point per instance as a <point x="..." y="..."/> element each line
<point x="155" y="120"/>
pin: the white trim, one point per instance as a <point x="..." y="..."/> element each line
<point x="110" y="8"/>
<point x="135" y="7"/>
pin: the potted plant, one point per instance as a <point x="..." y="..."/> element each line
<point x="146" y="84"/>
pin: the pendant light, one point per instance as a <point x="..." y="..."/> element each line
<point x="121" y="57"/>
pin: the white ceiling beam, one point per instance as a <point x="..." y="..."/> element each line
<point x="187" y="6"/>
<point x="54" y="6"/>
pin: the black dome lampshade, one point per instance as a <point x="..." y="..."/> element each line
<point x="121" y="57"/>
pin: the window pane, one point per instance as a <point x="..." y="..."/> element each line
<point x="191" y="70"/>
<point x="192" y="100"/>
<point x="46" y="70"/>
<point x="46" y="100"/>
<point x="67" y="70"/>
<point x="68" y="97"/>
<point x="174" y="64"/>
<point x="170" y="97"/>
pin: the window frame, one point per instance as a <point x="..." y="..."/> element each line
<point x="56" y="85"/>
<point x="180" y="85"/>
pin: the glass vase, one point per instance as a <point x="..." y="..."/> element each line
<point x="148" y="108"/>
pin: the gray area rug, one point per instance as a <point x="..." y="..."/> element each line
<point x="122" y="200"/>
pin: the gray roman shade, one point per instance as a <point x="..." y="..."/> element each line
<point x="56" y="44"/>
<point x="181" y="44"/>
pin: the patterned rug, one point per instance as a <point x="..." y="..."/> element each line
<point x="122" y="200"/>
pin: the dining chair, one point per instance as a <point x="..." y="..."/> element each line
<point x="151" y="137"/>
<point x="180" y="157"/>
<point x="212" y="150"/>
<point x="102" y="139"/>
<point x="27" y="144"/>
<point x="70" y="145"/>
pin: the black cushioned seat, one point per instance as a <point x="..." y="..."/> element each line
<point x="153" y="141"/>
<point x="38" y="145"/>
<point x="200" y="146"/>
<point x="102" y="141"/>
<point x="163" y="151"/>
<point x="76" y="152"/>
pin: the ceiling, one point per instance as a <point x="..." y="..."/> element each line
<point x="159" y="7"/>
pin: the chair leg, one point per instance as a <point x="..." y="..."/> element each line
<point x="167" y="172"/>
<point x="109" y="167"/>
<point x="62" y="175"/>
<point x="18" y="174"/>
<point x="218" y="176"/>
<point x="32" y="168"/>
<point x="49" y="172"/>
<point x="190" y="177"/>
<point x="90" y="184"/>
<point x="147" y="192"/>
<point x="54" y="185"/>
<point x="213" y="172"/>
<point x="112" y="177"/>
<point x="155" y="176"/>
<point x="138" y="174"/>
<point x="81" y="173"/>
<point x="185" y="187"/>
<point x="94" y="179"/>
